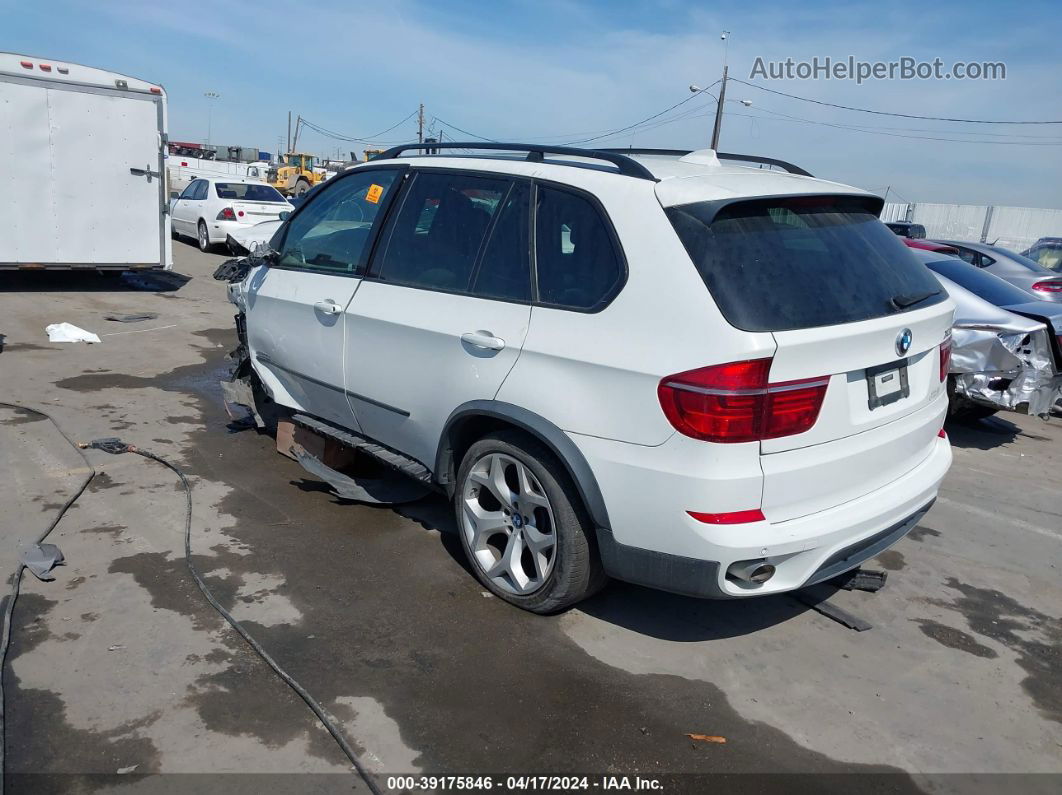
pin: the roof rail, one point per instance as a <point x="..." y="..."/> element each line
<point x="767" y="161"/>
<point x="535" y="154"/>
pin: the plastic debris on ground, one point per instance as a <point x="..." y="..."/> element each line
<point x="708" y="738"/>
<point x="41" y="559"/>
<point x="67" y="332"/>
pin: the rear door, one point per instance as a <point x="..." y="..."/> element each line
<point x="443" y="315"/>
<point x="85" y="163"/>
<point x="186" y="210"/>
<point x="846" y="301"/>
<point x="295" y="324"/>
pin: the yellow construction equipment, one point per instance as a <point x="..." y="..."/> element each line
<point x="295" y="175"/>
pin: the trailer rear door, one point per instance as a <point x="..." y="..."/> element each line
<point x="86" y="163"/>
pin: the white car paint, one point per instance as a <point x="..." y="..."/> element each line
<point x="594" y="375"/>
<point x="200" y="202"/>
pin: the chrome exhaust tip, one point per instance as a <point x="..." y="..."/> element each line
<point x="754" y="572"/>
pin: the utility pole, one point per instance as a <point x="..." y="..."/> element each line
<point x="289" y="131"/>
<point x="295" y="140"/>
<point x="722" y="95"/>
<point x="719" y="113"/>
<point x="420" y="124"/>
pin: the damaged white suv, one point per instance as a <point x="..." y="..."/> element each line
<point x="712" y="379"/>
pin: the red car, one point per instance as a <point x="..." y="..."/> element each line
<point x="929" y="245"/>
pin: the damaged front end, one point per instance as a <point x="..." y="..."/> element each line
<point x="1000" y="359"/>
<point x="242" y="388"/>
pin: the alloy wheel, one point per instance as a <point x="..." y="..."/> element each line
<point x="508" y="524"/>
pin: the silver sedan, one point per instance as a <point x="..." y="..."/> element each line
<point x="1022" y="272"/>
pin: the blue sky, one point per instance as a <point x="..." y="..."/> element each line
<point x="561" y="70"/>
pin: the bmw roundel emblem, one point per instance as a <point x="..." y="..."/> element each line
<point x="903" y="341"/>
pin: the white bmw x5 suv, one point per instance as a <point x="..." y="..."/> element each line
<point x="714" y="379"/>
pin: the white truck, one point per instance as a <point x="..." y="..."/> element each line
<point x="84" y="149"/>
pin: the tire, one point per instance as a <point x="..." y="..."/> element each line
<point x="301" y="187"/>
<point x="964" y="410"/>
<point x="566" y="568"/>
<point x="174" y="234"/>
<point x="204" y="238"/>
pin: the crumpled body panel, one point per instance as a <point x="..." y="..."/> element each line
<point x="999" y="358"/>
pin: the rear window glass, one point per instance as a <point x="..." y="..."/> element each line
<point x="983" y="285"/>
<point x="247" y="191"/>
<point x="801" y="262"/>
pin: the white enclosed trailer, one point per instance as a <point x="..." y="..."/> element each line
<point x="83" y="150"/>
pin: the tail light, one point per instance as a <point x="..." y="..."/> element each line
<point x="1048" y="287"/>
<point x="226" y="215"/>
<point x="945" y="358"/>
<point x="734" y="402"/>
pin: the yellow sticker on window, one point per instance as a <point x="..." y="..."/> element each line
<point x="374" y="194"/>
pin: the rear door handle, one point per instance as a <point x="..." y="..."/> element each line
<point x="483" y="339"/>
<point x="328" y="307"/>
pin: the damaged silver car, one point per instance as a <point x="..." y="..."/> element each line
<point x="999" y="360"/>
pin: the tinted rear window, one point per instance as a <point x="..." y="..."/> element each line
<point x="247" y="191"/>
<point x="800" y="262"/>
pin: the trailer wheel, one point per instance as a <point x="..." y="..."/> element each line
<point x="204" y="238"/>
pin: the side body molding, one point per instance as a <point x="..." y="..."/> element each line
<point x="545" y="431"/>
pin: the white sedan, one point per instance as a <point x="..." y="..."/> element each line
<point x="209" y="208"/>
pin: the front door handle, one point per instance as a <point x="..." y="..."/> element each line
<point x="483" y="339"/>
<point x="328" y="307"/>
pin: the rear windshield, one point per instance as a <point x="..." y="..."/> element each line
<point x="984" y="285"/>
<point x="801" y="262"/>
<point x="248" y="192"/>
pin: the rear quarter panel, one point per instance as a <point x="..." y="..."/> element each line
<point x="597" y="373"/>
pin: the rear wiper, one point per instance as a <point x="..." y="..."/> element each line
<point x="906" y="301"/>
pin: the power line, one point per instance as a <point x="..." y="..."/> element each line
<point x="466" y="132"/>
<point x="367" y="139"/>
<point x="872" y="131"/>
<point x="643" y="121"/>
<point x="887" y="113"/>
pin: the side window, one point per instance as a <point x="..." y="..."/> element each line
<point x="201" y="190"/>
<point x="332" y="231"/>
<point x="505" y="270"/>
<point x="577" y="264"/>
<point x="189" y="192"/>
<point x="986" y="260"/>
<point x="968" y="255"/>
<point x="436" y="236"/>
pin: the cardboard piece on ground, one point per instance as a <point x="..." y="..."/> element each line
<point x="328" y="451"/>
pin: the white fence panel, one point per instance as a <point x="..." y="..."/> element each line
<point x="894" y="211"/>
<point x="1018" y="228"/>
<point x="951" y="221"/>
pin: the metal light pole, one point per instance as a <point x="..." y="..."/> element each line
<point x="210" y="95"/>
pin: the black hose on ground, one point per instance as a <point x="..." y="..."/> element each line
<point x="116" y="446"/>
<point x="16" y="576"/>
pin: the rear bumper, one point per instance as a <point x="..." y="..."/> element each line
<point x="805" y="550"/>
<point x="701" y="578"/>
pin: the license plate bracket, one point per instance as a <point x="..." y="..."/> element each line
<point x="887" y="383"/>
